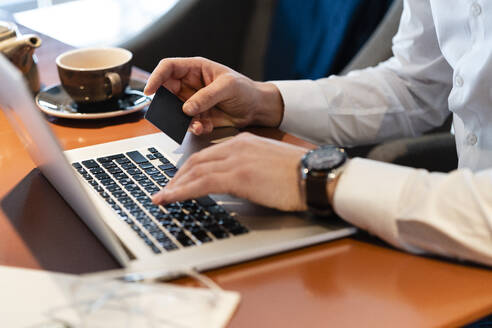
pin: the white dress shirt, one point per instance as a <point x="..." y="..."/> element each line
<point x="442" y="62"/>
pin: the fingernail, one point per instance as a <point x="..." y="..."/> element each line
<point x="190" y="108"/>
<point x="197" y="130"/>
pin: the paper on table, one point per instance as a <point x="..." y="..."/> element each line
<point x="31" y="298"/>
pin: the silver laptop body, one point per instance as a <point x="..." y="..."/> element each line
<point x="264" y="231"/>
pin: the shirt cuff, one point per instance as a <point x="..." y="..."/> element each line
<point x="303" y="100"/>
<point x="367" y="195"/>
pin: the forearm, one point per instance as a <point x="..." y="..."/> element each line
<point x="421" y="212"/>
<point x="368" y="106"/>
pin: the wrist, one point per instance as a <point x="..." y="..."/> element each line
<point x="269" y="111"/>
<point x="320" y="172"/>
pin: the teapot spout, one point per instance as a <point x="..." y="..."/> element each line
<point x="31" y="40"/>
<point x="20" y="50"/>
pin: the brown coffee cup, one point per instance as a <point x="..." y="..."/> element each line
<point x="93" y="75"/>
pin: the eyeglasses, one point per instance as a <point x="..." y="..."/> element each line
<point x="108" y="302"/>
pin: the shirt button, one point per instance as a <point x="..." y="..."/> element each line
<point x="472" y="139"/>
<point x="458" y="81"/>
<point x="476" y="10"/>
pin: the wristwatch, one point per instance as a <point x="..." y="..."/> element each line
<point x="318" y="168"/>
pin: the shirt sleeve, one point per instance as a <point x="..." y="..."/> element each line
<point x="421" y="212"/>
<point x="403" y="96"/>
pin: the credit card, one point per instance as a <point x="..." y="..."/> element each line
<point x="166" y="113"/>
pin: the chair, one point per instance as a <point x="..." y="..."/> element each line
<point x="210" y="28"/>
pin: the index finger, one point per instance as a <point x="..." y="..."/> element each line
<point x="170" y="68"/>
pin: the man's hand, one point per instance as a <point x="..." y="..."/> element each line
<point x="261" y="170"/>
<point x="217" y="96"/>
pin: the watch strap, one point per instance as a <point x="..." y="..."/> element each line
<point x="316" y="193"/>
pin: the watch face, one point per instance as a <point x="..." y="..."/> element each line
<point x="325" y="158"/>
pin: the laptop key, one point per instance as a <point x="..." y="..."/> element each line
<point x="239" y="230"/>
<point x="215" y="230"/>
<point x="145" y="165"/>
<point x="90" y="163"/>
<point x="102" y="176"/>
<point x="145" y="182"/>
<point x="151" y="170"/>
<point x="125" y="181"/>
<point x="104" y="159"/>
<point x="171" y="172"/>
<point x="113" y="188"/>
<point x="114" y="170"/>
<point x="137" y="193"/>
<point x="131" y="186"/>
<point x="136" y="157"/>
<point x="107" y="182"/>
<point x="122" y="160"/>
<point x="202" y="236"/>
<point x="139" y="177"/>
<point x="116" y="207"/>
<point x="134" y="171"/>
<point x="151" y="189"/>
<point x="108" y="165"/>
<point x="116" y="156"/>
<point x="118" y="194"/>
<point x="96" y="170"/>
<point x="158" y="234"/>
<point x="157" y="176"/>
<point x="137" y="212"/>
<point x="216" y="209"/>
<point x="128" y="166"/>
<point x="131" y="206"/>
<point x="167" y="166"/>
<point x="150" y="157"/>
<point x="156" y="250"/>
<point x="152" y="150"/>
<point x="162" y="183"/>
<point x="168" y="245"/>
<point x="81" y="170"/>
<point x="104" y="194"/>
<point x="184" y="239"/>
<point x="205" y="201"/>
<point x="87" y="176"/>
<point x="125" y="199"/>
<point x="77" y="165"/>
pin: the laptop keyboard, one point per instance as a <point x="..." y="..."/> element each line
<point x="126" y="182"/>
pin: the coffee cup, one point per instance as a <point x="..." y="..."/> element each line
<point x="94" y="75"/>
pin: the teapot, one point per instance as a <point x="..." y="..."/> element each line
<point x="20" y="51"/>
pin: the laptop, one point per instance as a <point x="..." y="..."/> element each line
<point x="109" y="186"/>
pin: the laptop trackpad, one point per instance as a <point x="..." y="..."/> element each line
<point x="258" y="217"/>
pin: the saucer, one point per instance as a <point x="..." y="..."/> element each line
<point x="56" y="102"/>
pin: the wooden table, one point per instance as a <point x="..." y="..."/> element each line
<point x="353" y="282"/>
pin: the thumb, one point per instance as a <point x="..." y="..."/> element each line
<point x="209" y="96"/>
